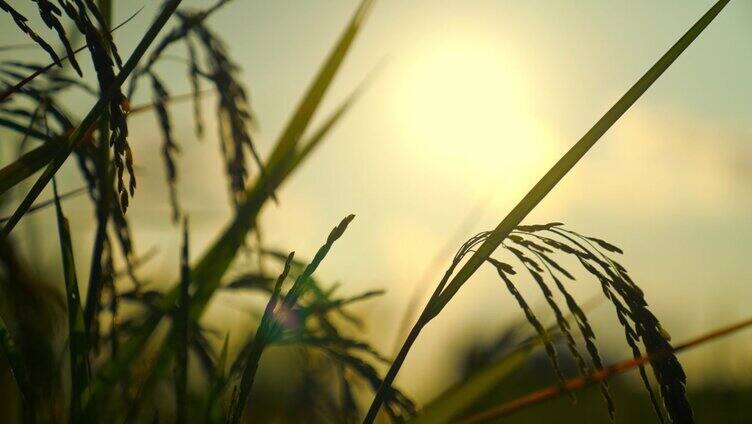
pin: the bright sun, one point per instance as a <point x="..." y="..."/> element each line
<point x="463" y="108"/>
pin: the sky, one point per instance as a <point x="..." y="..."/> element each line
<point x="469" y="104"/>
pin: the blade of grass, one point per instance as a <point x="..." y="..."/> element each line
<point x="25" y="131"/>
<point x="168" y="9"/>
<point x="443" y="295"/>
<point x="599" y="375"/>
<point x="105" y="173"/>
<point x="217" y="259"/>
<point x="577" y="152"/>
<point x="16" y="362"/>
<point x="217" y="385"/>
<point x="314" y="140"/>
<point x="181" y="331"/>
<point x="47" y="203"/>
<point x="26" y="165"/>
<point x="288" y="141"/>
<point x="77" y="342"/>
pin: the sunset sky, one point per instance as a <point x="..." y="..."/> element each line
<point x="470" y="103"/>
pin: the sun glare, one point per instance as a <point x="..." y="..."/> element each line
<point x="464" y="109"/>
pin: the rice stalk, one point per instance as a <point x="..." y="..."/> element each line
<point x="42" y="70"/>
<point x="271" y="325"/>
<point x="20" y="22"/>
<point x="104" y="199"/>
<point x="443" y="295"/>
<point x="100" y="106"/>
<point x="169" y="147"/>
<point x="103" y="52"/>
<point x="504" y="269"/>
<point x="586" y="331"/>
<point x="51" y="14"/>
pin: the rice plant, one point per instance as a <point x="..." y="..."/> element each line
<point x="109" y="354"/>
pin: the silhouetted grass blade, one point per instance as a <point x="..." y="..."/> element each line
<point x="79" y="352"/>
<point x="182" y="327"/>
<point x="16" y="362"/>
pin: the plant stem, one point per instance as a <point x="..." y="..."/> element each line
<point x="540" y="190"/>
<point x="597" y="376"/>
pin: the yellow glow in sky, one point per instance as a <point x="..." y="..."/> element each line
<point x="464" y="111"/>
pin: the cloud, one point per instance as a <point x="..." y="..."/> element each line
<point x="662" y="162"/>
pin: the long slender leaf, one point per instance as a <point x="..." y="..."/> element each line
<point x="27" y="165"/>
<point x="16" y="362"/>
<point x="182" y="325"/>
<point x="577" y="152"/>
<point x="48" y="203"/>
<point x="217" y="384"/>
<point x="441" y="297"/>
<point x="26" y="131"/>
<point x="217" y="259"/>
<point x="79" y="354"/>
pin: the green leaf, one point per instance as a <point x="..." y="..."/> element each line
<point x="48" y="203"/>
<point x="79" y="361"/>
<point x="215" y="262"/>
<point x="26" y="165"/>
<point x="25" y="131"/>
<point x="16" y="362"/>
<point x="213" y="412"/>
<point x="182" y="325"/>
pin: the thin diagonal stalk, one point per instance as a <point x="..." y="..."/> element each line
<point x="598" y="375"/>
<point x="538" y="192"/>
